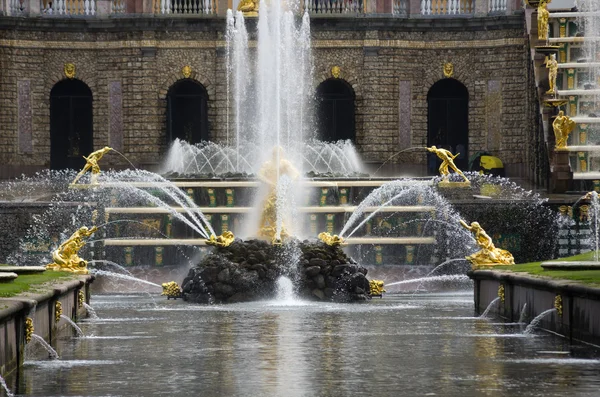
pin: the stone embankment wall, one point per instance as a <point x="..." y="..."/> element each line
<point x="577" y="314"/>
<point x="41" y="308"/>
<point x="129" y="64"/>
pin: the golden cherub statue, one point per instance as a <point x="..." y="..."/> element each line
<point x="92" y="163"/>
<point x="332" y="240"/>
<point x="224" y="240"/>
<point x="562" y="126"/>
<point x="447" y="162"/>
<point x="552" y="66"/>
<point x="248" y="7"/>
<point x="273" y="169"/>
<point x="66" y="258"/>
<point x="542" y="20"/>
<point x="489" y="255"/>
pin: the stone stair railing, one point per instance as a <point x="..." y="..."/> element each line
<point x="497" y="6"/>
<point x="323" y="7"/>
<point x="68" y="7"/>
<point x="185" y="7"/>
<point x="400" y="7"/>
<point x="447" y="7"/>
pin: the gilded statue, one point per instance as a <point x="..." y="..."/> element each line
<point x="329" y="239"/>
<point x="447" y="162"/>
<point x="248" y="7"/>
<point x="92" y="163"/>
<point x="270" y="173"/>
<point x="224" y="240"/>
<point x="66" y="256"/>
<point x="171" y="290"/>
<point x="489" y="255"/>
<point x="542" y="20"/>
<point x="552" y="66"/>
<point x="376" y="288"/>
<point x="562" y="126"/>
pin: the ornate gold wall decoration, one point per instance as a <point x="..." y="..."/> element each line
<point x="448" y="69"/>
<point x="501" y="293"/>
<point x="558" y="304"/>
<point x="70" y="70"/>
<point x="336" y="72"/>
<point x="28" y="329"/>
<point x="186" y="71"/>
<point x="57" y="312"/>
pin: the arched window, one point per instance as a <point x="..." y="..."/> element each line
<point x="448" y="122"/>
<point x="187" y="112"/>
<point x="71" y="124"/>
<point x="335" y="110"/>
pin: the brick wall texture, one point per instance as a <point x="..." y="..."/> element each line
<point x="381" y="64"/>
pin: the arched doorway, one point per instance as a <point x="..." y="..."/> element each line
<point x="71" y="124"/>
<point x="335" y="110"/>
<point x="448" y="122"/>
<point x="187" y="112"/>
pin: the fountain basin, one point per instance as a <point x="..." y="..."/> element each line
<point x="7" y="277"/>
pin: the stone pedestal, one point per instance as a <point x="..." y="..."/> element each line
<point x="562" y="176"/>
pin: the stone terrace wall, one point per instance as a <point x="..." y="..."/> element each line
<point x="130" y="63"/>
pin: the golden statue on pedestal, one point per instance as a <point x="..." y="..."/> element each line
<point x="270" y="173"/>
<point x="333" y="240"/>
<point x="542" y="20"/>
<point x="66" y="258"/>
<point x="447" y="162"/>
<point x="562" y="126"/>
<point x="248" y="7"/>
<point x="489" y="255"/>
<point x="92" y="163"/>
<point x="552" y="66"/>
<point x="224" y="240"/>
<point x="171" y="290"/>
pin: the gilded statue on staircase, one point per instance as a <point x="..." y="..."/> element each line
<point x="270" y="173"/>
<point x="92" y="163"/>
<point x="552" y="66"/>
<point x="562" y="126"/>
<point x="542" y="20"/>
<point x="489" y="255"/>
<point x="66" y="256"/>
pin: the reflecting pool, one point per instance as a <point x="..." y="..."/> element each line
<point x="421" y="345"/>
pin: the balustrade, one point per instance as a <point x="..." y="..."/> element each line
<point x="185" y="7"/>
<point x="497" y="5"/>
<point x="400" y="7"/>
<point x="322" y="7"/>
<point x="447" y="7"/>
<point x="68" y="7"/>
<point x="15" y="7"/>
<point x="117" y="7"/>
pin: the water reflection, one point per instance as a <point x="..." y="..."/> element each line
<point x="395" y="346"/>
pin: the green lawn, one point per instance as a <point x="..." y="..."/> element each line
<point x="583" y="276"/>
<point x="31" y="282"/>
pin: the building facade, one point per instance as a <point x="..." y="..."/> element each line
<point x="79" y="75"/>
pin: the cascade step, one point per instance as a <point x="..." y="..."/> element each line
<point x="243" y="210"/>
<point x="199" y="241"/>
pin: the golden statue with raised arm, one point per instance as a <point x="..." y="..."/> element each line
<point x="447" y="162"/>
<point x="552" y="66"/>
<point x="92" y="163"/>
<point x="542" y="20"/>
<point x="270" y="173"/>
<point x="489" y="255"/>
<point x="562" y="126"/>
<point x="66" y="256"/>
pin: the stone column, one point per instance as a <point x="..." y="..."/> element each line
<point x="115" y="115"/>
<point x="414" y="7"/>
<point x="24" y="116"/>
<point x="482" y="7"/>
<point x="404" y="109"/>
<point x="34" y="7"/>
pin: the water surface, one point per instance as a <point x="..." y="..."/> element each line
<point x="424" y="345"/>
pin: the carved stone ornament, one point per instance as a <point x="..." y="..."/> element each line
<point x="186" y="71"/>
<point x="70" y="70"/>
<point x="335" y="72"/>
<point x="448" y="69"/>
